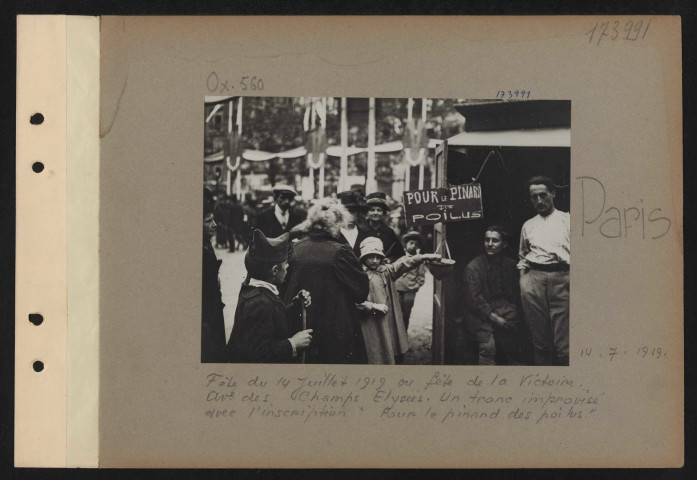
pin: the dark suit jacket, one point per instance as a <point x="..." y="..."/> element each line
<point x="267" y="222"/>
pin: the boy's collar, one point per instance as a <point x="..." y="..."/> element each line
<point x="253" y="282"/>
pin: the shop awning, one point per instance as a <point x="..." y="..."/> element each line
<point x="543" y="137"/>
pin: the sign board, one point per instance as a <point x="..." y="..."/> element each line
<point x="456" y="203"/>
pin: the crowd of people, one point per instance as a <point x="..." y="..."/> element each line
<point x="336" y="283"/>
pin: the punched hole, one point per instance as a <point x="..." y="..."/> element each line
<point x="36" y="318"/>
<point x="36" y="119"/>
<point x="38" y="366"/>
<point x="38" y="167"/>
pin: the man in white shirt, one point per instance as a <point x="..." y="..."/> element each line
<point x="544" y="275"/>
<point x="281" y="218"/>
<point x="353" y="232"/>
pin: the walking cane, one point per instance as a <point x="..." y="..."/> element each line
<point x="304" y="311"/>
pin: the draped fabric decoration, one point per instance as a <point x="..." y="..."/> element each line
<point x="261" y="156"/>
<point x="416" y="142"/>
<point x="232" y="148"/>
<point x="314" y="123"/>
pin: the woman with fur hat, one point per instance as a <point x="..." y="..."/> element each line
<point x="382" y="324"/>
<point x="327" y="267"/>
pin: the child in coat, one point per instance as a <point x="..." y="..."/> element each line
<point x="412" y="280"/>
<point x="383" y="328"/>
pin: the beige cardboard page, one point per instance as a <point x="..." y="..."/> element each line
<point x="626" y="292"/>
<point x="57" y="242"/>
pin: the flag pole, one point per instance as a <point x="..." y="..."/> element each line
<point x="343" y="166"/>
<point x="424" y="114"/>
<point x="238" y="173"/>
<point x="322" y="154"/>
<point x="371" y="183"/>
<point x="407" y="170"/>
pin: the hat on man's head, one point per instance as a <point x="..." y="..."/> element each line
<point x="377" y="199"/>
<point x="413" y="235"/>
<point x="349" y="199"/>
<point x="281" y="188"/>
<point x="208" y="202"/>
<point x="268" y="250"/>
<point x="371" y="245"/>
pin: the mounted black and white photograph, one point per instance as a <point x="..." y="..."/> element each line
<point x="386" y="231"/>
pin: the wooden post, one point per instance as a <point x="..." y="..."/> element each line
<point x="407" y="170"/>
<point x="343" y="166"/>
<point x="238" y="173"/>
<point x="439" y="232"/>
<point x="424" y="116"/>
<point x="371" y="182"/>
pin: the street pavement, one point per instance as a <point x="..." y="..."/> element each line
<point x="233" y="273"/>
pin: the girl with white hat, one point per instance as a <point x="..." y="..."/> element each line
<point x="383" y="328"/>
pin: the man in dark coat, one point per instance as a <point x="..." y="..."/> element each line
<point x="212" y="319"/>
<point x="330" y="271"/>
<point x="235" y="225"/>
<point x="377" y="212"/>
<point x="492" y="301"/>
<point x="221" y="217"/>
<point x="260" y="333"/>
<point x="279" y="219"/>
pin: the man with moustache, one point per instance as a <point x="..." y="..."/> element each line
<point x="544" y="274"/>
<point x="280" y="218"/>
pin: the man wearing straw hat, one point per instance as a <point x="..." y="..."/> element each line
<point x="279" y="219"/>
<point x="260" y="333"/>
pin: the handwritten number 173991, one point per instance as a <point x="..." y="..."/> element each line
<point x="617" y="30"/>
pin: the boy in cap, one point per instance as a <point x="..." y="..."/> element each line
<point x="260" y="333"/>
<point x="280" y="218"/>
<point x="383" y="329"/>
<point x="377" y="212"/>
<point x="412" y="280"/>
